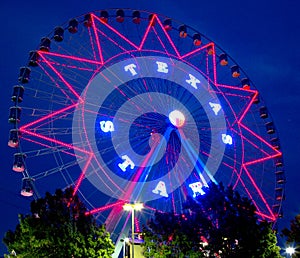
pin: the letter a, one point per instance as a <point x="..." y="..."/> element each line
<point x="161" y="189"/>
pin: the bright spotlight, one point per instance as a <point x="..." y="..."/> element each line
<point x="290" y="250"/>
<point x="133" y="206"/>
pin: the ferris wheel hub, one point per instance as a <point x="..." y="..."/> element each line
<point x="177" y="118"/>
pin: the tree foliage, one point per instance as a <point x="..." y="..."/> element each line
<point x="59" y="227"/>
<point x="292" y="234"/>
<point x="220" y="223"/>
<point x="170" y="235"/>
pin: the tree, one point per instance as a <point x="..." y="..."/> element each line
<point x="169" y="235"/>
<point x="292" y="235"/>
<point x="220" y="223"/>
<point x="59" y="226"/>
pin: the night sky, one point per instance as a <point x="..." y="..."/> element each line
<point x="261" y="36"/>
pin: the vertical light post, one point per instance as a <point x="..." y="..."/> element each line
<point x="132" y="207"/>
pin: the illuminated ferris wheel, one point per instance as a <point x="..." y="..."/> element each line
<point x="130" y="106"/>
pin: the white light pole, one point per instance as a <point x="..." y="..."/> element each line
<point x="132" y="207"/>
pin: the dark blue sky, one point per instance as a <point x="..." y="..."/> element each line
<point x="261" y="36"/>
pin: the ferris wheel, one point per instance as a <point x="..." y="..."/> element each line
<point x="130" y="106"/>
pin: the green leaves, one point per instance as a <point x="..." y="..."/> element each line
<point x="292" y="234"/>
<point x="221" y="222"/>
<point x="58" y="227"/>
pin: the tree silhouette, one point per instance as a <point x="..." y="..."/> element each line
<point x="59" y="227"/>
<point x="219" y="223"/>
<point x="292" y="234"/>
